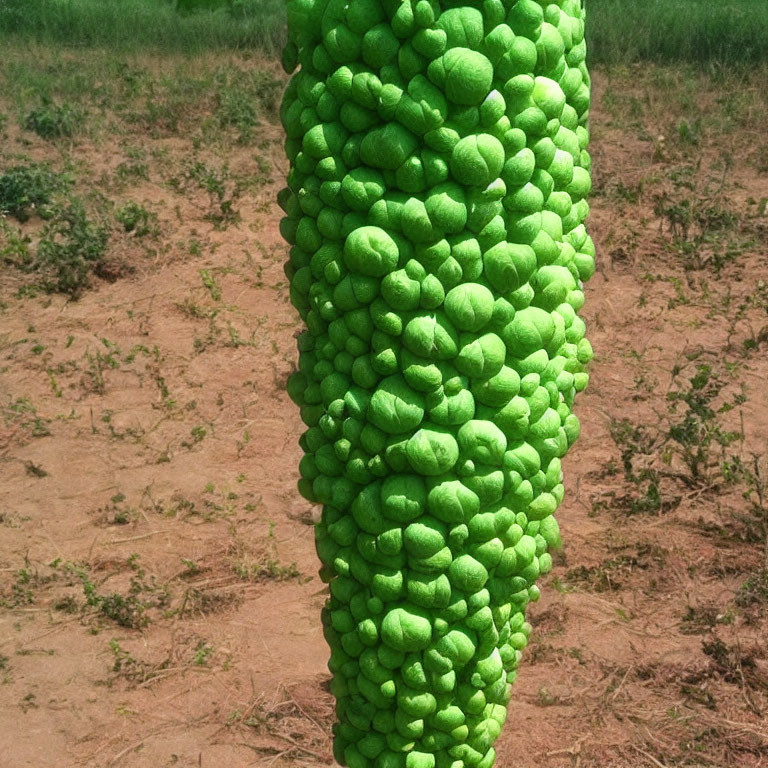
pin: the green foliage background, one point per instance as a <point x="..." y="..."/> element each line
<point x="731" y="32"/>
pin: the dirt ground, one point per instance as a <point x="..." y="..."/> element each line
<point x="159" y="603"/>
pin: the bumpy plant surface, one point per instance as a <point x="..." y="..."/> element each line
<point x="435" y="209"/>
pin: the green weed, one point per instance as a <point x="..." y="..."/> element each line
<point x="696" y="433"/>
<point x="223" y="192"/>
<point x="202" y="653"/>
<point x="137" y="220"/>
<point x="704" y="231"/>
<point x="134" y="670"/>
<point x="263" y="565"/>
<point x="211" y="284"/>
<point x="22" y="413"/>
<point x="132" y="171"/>
<point x="127" y="610"/>
<point x="730" y="32"/>
<point x="15" y="247"/>
<point x="98" y="363"/>
<point x="27" y="580"/>
<point x="53" y="121"/>
<point x="241" y="94"/>
<point x="131" y="25"/>
<point x="28" y="188"/>
<point x="754" y="476"/>
<point x="687" y="446"/>
<point x="638" y="446"/>
<point x="72" y="247"/>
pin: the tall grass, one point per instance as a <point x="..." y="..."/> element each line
<point x="134" y="25"/>
<point x="620" y="31"/>
<point x="730" y="32"/>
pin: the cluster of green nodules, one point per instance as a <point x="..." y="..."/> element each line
<point x="435" y="208"/>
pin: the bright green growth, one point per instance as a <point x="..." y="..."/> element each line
<point x="435" y="210"/>
<point x="29" y="188"/>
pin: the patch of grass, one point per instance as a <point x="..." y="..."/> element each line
<point x="135" y="25"/>
<point x="263" y="564"/>
<point x="21" y="590"/>
<point x="197" y="435"/>
<point x="685" y="450"/>
<point x="265" y="569"/>
<point x="223" y="191"/>
<point x="699" y="620"/>
<point x="98" y="363"/>
<point x="752" y="473"/>
<point x="612" y="574"/>
<point x="701" y="31"/>
<point x="117" y="512"/>
<point x="211" y="284"/>
<point x="22" y="413"/>
<point x="53" y="121"/>
<point x="26" y="581"/>
<point x="72" y="247"/>
<point x="127" y="610"/>
<point x="638" y="447"/>
<point x="15" y="250"/>
<point x="30" y="187"/>
<point x="203" y="651"/>
<point x="703" y="230"/>
<point x="137" y="220"/>
<point x="735" y="665"/>
<point x="731" y="32"/>
<point x="696" y="432"/>
<point x="753" y="593"/>
<point x="205" y="600"/>
<point x="237" y="110"/>
<point x="134" y="670"/>
<point x="132" y="171"/>
<point x="241" y="94"/>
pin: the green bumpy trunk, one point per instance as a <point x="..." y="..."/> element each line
<point x="435" y="207"/>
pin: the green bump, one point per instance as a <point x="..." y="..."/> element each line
<point x="406" y="630"/>
<point x="370" y="251"/>
<point x="403" y="497"/>
<point x="481" y="357"/>
<point x="482" y="441"/>
<point x="477" y="160"/>
<point x="387" y="147"/>
<point x="362" y="187"/>
<point x="466" y="75"/>
<point x="395" y="407"/>
<point x="468" y="574"/>
<point x="549" y="97"/>
<point x="452" y="501"/>
<point x="463" y="26"/>
<point x="431" y="336"/>
<point x="432" y="452"/>
<point x="424" y="538"/>
<point x="446" y="207"/>
<point x="469" y="306"/>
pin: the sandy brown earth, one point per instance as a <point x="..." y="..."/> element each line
<point x="159" y="604"/>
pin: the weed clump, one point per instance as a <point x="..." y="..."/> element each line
<point x="53" y="121"/>
<point x="71" y="248"/>
<point x="136" y="219"/>
<point x="239" y="96"/>
<point x="687" y="452"/>
<point x="28" y="188"/>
